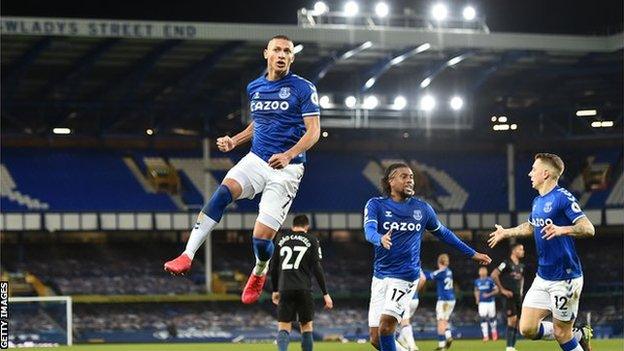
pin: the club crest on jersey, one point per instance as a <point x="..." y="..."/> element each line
<point x="388" y="214"/>
<point x="314" y="98"/>
<point x="284" y="93"/>
<point x="548" y="207"/>
<point x="256" y="95"/>
<point x="417" y="215"/>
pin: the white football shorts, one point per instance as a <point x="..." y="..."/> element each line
<point x="278" y="187"/>
<point x="487" y="309"/>
<point x="444" y="308"/>
<point x="390" y="296"/>
<point x="561" y="297"/>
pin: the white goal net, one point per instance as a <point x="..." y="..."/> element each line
<point x="40" y="321"/>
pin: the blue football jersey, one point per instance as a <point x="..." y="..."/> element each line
<point x="485" y="286"/>
<point x="277" y="109"/>
<point x="444" y="283"/>
<point x="408" y="220"/>
<point x="557" y="258"/>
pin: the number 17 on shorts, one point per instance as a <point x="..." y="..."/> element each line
<point x="389" y="296"/>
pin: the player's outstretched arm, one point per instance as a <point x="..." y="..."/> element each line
<point x="311" y="136"/>
<point x="582" y="228"/>
<point x="227" y="143"/>
<point x="524" y="229"/>
<point x="446" y="235"/>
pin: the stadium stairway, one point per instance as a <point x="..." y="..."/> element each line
<point x="8" y="190"/>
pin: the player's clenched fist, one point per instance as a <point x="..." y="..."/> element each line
<point x="225" y="144"/>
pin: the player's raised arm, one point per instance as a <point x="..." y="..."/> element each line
<point x="227" y="143"/>
<point x="524" y="229"/>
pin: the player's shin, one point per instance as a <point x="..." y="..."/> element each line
<point x="209" y="216"/>
<point x="545" y="331"/>
<point x="571" y="345"/>
<point x="306" y="341"/>
<point x="441" y="341"/>
<point x="407" y="334"/>
<point x="484" y="329"/>
<point x="283" y="338"/>
<point x="263" y="250"/>
<point x="387" y="342"/>
<point x="494" y="329"/>
<point x="200" y="232"/>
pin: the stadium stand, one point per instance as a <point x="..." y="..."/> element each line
<point x="455" y="182"/>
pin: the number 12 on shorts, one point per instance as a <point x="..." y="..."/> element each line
<point x="560" y="302"/>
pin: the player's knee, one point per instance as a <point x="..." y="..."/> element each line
<point x="233" y="186"/>
<point x="528" y="331"/>
<point x="387" y="325"/>
<point x="307" y="327"/>
<point x="562" y="335"/>
<point x="385" y="329"/>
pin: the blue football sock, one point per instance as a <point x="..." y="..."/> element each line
<point x="571" y="345"/>
<point x="263" y="249"/>
<point x="306" y="341"/>
<point x="282" y="340"/>
<point x="217" y="203"/>
<point x="387" y="342"/>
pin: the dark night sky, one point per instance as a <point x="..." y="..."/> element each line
<point x="536" y="16"/>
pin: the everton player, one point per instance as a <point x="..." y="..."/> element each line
<point x="555" y="220"/>
<point x="395" y="224"/>
<point x="443" y="277"/>
<point x="285" y="112"/>
<point x="484" y="290"/>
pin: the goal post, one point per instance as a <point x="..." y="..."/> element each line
<point x="44" y="305"/>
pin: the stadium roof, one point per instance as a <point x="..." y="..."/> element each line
<point x="117" y="76"/>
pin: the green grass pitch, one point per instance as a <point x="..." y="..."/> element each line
<point x="458" y="345"/>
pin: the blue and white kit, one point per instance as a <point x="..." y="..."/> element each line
<point x="278" y="109"/>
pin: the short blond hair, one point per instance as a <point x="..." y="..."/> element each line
<point x="444" y="259"/>
<point x="553" y="161"/>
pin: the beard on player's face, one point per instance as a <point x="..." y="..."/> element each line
<point x="404" y="190"/>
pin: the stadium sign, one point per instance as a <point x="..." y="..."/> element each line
<point x="98" y="28"/>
